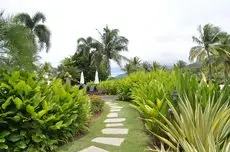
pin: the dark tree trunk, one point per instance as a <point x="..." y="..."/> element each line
<point x="225" y="74"/>
<point x="209" y="67"/>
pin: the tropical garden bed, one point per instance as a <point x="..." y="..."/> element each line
<point x="181" y="111"/>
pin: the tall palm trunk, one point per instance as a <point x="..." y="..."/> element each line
<point x="226" y="70"/>
<point x="209" y="67"/>
<point x="225" y="75"/>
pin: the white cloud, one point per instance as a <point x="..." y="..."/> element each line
<point x="157" y="30"/>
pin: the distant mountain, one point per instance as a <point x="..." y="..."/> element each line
<point x="196" y="64"/>
<point x="120" y="76"/>
<point x="169" y="67"/>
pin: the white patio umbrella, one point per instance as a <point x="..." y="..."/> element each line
<point x="82" y="80"/>
<point x="96" y="81"/>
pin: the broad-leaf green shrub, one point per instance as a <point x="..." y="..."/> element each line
<point x="97" y="104"/>
<point x="38" y="117"/>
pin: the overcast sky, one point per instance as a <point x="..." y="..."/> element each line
<point x="159" y="30"/>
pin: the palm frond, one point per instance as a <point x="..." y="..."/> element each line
<point x="43" y="35"/>
<point x="195" y="53"/>
<point x="25" y="19"/>
<point x="81" y="40"/>
<point x="39" y="17"/>
<point x="195" y="39"/>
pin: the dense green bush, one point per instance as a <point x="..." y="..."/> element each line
<point x="108" y="87"/>
<point x="35" y="116"/>
<point x="97" y="104"/>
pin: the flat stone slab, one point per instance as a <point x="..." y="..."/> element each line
<point x="115" y="110"/>
<point x="93" y="149"/>
<point x="114" y="120"/>
<point x="112" y="115"/>
<point x="109" y="140"/>
<point x="115" y="107"/>
<point x="114" y="125"/>
<point x="115" y="131"/>
<point x="111" y="103"/>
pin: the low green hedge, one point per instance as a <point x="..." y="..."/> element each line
<point x="37" y="117"/>
<point x="108" y="87"/>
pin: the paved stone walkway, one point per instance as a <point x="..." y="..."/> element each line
<point x="114" y="126"/>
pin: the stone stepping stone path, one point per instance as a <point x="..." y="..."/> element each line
<point x="115" y="110"/>
<point x="113" y="126"/>
<point x="109" y="140"/>
<point x="113" y="114"/>
<point x="115" y="107"/>
<point x="93" y="149"/>
<point x="114" y="120"/>
<point x="116" y="131"/>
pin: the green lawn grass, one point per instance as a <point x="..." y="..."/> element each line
<point x="135" y="141"/>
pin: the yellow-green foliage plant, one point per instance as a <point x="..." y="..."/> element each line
<point x="125" y="85"/>
<point x="152" y="90"/>
<point x="108" y="87"/>
<point x="150" y="94"/>
<point x="198" y="130"/>
<point x="37" y="117"/>
<point x="97" y="104"/>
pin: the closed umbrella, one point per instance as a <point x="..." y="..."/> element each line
<point x="82" y="80"/>
<point x="96" y="81"/>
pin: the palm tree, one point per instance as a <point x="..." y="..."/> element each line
<point x="39" y="30"/>
<point x="156" y="65"/>
<point x="223" y="54"/>
<point x="17" y="45"/>
<point x="208" y="39"/>
<point x="147" y="66"/>
<point x="84" y="46"/>
<point x="88" y="48"/>
<point x="133" y="65"/>
<point x="181" y="64"/>
<point x="110" y="47"/>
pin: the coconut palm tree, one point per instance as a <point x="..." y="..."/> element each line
<point x="110" y="47"/>
<point x="39" y="30"/>
<point x="84" y="46"/>
<point x="181" y="64"/>
<point x="88" y="48"/>
<point x="222" y="54"/>
<point x="147" y="66"/>
<point x="133" y="65"/>
<point x="207" y="40"/>
<point x="17" y="45"/>
<point x="156" y="65"/>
